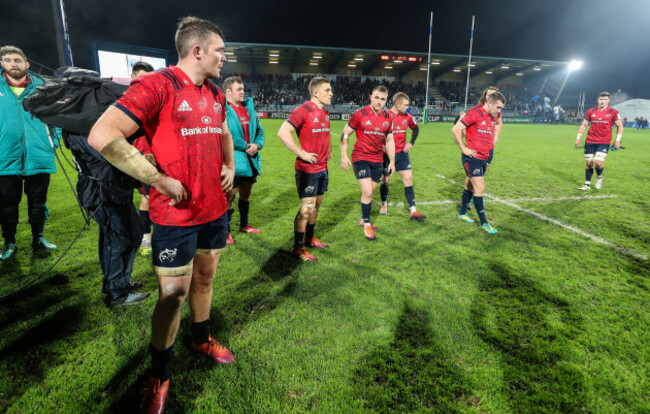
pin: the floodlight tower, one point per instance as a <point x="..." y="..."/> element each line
<point x="573" y="66"/>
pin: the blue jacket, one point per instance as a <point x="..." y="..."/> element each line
<point x="243" y="163"/>
<point x="25" y="148"/>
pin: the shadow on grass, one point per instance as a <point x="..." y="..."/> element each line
<point x="413" y="373"/>
<point x="638" y="272"/>
<point x="125" y="387"/>
<point x="26" y="358"/>
<point x="534" y="331"/>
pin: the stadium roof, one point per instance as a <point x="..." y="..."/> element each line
<point x="365" y="61"/>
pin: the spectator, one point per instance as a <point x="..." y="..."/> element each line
<point x="26" y="153"/>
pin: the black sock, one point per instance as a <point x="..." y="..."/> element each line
<point x="37" y="231"/>
<point x="309" y="233"/>
<point x="365" y="212"/>
<point x="160" y="362"/>
<point x="229" y="212"/>
<point x="409" y="193"/>
<point x="588" y="173"/>
<point x="244" y="206"/>
<point x="464" y="202"/>
<point x="298" y="239"/>
<point x="200" y="332"/>
<point x="145" y="221"/>
<point x="480" y="208"/>
<point x="599" y="172"/>
<point x="383" y="191"/>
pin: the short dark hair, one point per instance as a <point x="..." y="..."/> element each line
<point x="193" y="30"/>
<point x="10" y="50"/>
<point x="485" y="93"/>
<point x="141" y="66"/>
<point x="495" y="97"/>
<point x="315" y="82"/>
<point x="380" y="88"/>
<point x="607" y="94"/>
<point x="230" y="80"/>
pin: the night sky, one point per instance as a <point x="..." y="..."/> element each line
<point x="611" y="37"/>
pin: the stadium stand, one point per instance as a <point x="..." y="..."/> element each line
<point x="276" y="76"/>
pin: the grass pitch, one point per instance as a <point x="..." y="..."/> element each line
<point x="432" y="317"/>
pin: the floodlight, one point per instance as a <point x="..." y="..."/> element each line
<point x="575" y="65"/>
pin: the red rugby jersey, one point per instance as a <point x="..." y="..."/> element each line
<point x="401" y="122"/>
<point x="371" y="132"/>
<point x="601" y="124"/>
<point x="497" y="118"/>
<point x="480" y="131"/>
<point x="313" y="128"/>
<point x="244" y="120"/>
<point x="182" y="123"/>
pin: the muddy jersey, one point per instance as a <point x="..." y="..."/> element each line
<point x="480" y="131"/>
<point x="371" y="130"/>
<point x="401" y="122"/>
<point x="183" y="126"/>
<point x="601" y="124"/>
<point x="312" y="125"/>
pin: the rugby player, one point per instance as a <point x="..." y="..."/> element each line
<point x="497" y="128"/>
<point x="478" y="125"/>
<point x="372" y="125"/>
<point x="401" y="122"/>
<point x="183" y="116"/>
<point x="248" y="139"/>
<point x="311" y="123"/>
<point x="601" y="121"/>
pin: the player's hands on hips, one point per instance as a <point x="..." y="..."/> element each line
<point x="617" y="145"/>
<point x="345" y="164"/>
<point x="577" y="143"/>
<point x="227" y="178"/>
<point x="408" y="147"/>
<point x="170" y="187"/>
<point x="252" y="149"/>
<point x="469" y="152"/>
<point x="308" y="156"/>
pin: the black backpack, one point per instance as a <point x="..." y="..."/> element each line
<point x="73" y="99"/>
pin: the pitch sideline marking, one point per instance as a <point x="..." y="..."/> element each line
<point x="559" y="223"/>
<point x="531" y="199"/>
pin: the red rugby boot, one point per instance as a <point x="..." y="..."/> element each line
<point x="371" y="225"/>
<point x="417" y="216"/>
<point x="302" y="254"/>
<point x="367" y="231"/>
<point x="215" y="351"/>
<point x="317" y="244"/>
<point x="229" y="240"/>
<point x="249" y="229"/>
<point x="154" y="396"/>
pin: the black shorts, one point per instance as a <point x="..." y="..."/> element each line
<point x="473" y="166"/>
<point x="311" y="184"/>
<point x="174" y="247"/>
<point x="366" y="169"/>
<point x="489" y="159"/>
<point x="402" y="162"/>
<point x="236" y="183"/>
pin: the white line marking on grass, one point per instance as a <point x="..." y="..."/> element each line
<point x="530" y="199"/>
<point x="559" y="223"/>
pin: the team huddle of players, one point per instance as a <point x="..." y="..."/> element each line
<point x="185" y="122"/>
